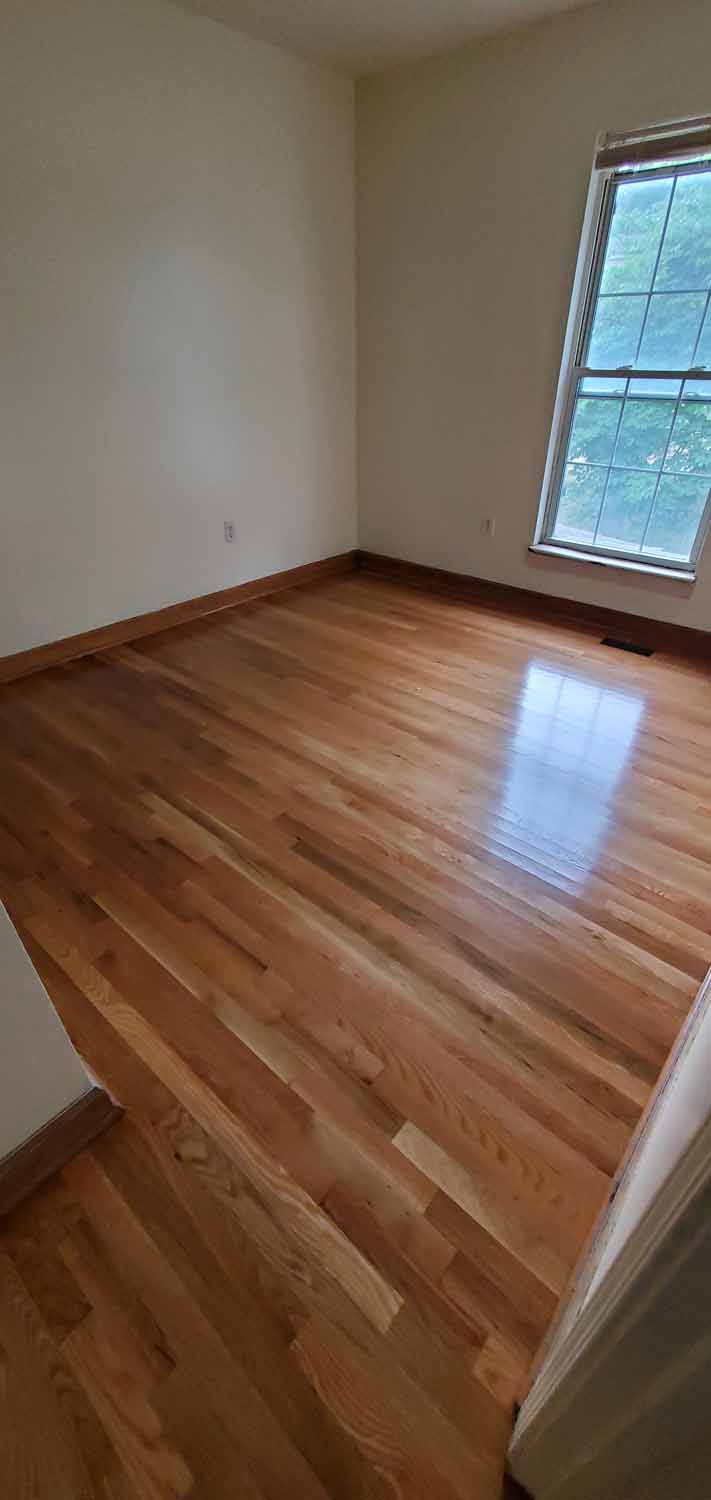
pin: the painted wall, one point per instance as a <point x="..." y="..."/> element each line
<point x="472" y="176"/>
<point x="177" y="308"/>
<point x="40" y="1073"/>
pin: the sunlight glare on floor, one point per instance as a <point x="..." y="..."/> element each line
<point x="572" y="742"/>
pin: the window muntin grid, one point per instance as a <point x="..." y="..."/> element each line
<point x="648" y="359"/>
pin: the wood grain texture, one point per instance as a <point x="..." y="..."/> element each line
<point x="49" y="1148"/>
<point x="70" y="647"/>
<point x="379" y="911"/>
<point x="641" y="629"/>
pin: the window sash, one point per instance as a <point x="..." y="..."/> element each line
<point x="574" y="369"/>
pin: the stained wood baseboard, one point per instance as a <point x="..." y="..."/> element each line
<point x="682" y="639"/>
<point x="22" y="663"/>
<point x="679" y="639"/>
<point x="51" y="1147"/>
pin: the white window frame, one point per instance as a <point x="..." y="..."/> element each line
<point x="588" y="270"/>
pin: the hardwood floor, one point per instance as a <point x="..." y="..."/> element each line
<point x="379" y="912"/>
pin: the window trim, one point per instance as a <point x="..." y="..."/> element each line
<point x="588" y="271"/>
<point x="601" y="560"/>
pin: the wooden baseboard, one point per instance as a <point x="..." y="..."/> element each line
<point x="678" y="639"/>
<point x="52" y="1146"/>
<point x="22" y="663"/>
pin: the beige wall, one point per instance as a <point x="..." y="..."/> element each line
<point x="177" y="296"/>
<point x="472" y="172"/>
<point x="177" y="308"/>
<point x="40" y="1073"/>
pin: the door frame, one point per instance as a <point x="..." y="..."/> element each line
<point x="570" y="1350"/>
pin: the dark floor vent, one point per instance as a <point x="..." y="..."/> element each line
<point x="609" y="640"/>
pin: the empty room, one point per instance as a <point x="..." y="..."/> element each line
<point x="355" y="734"/>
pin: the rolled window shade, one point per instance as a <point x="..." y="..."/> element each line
<point x="683" y="138"/>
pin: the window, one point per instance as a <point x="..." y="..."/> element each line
<point x="629" y="470"/>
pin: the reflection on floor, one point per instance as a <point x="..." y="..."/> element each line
<point x="379" y="912"/>
<point x="571" y="744"/>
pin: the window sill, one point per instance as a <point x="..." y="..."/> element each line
<point x="623" y="564"/>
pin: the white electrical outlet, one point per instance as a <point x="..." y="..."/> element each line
<point x="229" y="531"/>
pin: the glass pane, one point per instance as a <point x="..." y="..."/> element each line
<point x="675" y="520"/>
<point x="579" y="506"/>
<point x="703" y="352"/>
<point x="603" y="385"/>
<point x="685" y="261"/>
<point x="671" y="330"/>
<point x="655" y="388"/>
<point x="626" y="508"/>
<point x="635" y="233"/>
<point x="700" y="389"/>
<point x="615" y="332"/>
<point x="594" y="429"/>
<point x="690" y="446"/>
<point x="643" y="433"/>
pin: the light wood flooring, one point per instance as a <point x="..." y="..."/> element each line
<point x="379" y="912"/>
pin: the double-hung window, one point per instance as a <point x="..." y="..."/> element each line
<point x="629" y="468"/>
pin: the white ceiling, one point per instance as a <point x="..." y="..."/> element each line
<point x="365" y="35"/>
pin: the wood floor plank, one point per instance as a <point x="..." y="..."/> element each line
<point x="45" y="1448"/>
<point x="379" y="911"/>
<point x="152" y="1462"/>
<point x="310" y="1227"/>
<point x="419" y="1452"/>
